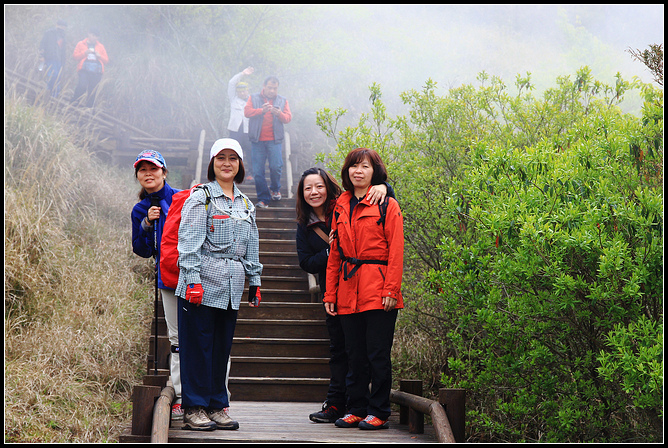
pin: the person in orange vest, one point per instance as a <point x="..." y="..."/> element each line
<point x="364" y="272"/>
<point x="91" y="58"/>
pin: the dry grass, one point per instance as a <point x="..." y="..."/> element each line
<point x="78" y="303"/>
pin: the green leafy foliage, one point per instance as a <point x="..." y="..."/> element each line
<point x="534" y="245"/>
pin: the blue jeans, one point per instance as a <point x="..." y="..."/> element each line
<point x="261" y="151"/>
<point x="53" y="70"/>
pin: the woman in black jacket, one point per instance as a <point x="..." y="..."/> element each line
<point x="316" y="196"/>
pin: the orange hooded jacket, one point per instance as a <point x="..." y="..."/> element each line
<point x="362" y="237"/>
<point x="80" y="53"/>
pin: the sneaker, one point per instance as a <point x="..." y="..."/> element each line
<point x="328" y="414"/>
<point x="276" y="196"/>
<point x="196" y="419"/>
<point x="371" y="422"/>
<point x="261" y="204"/>
<point x="223" y="421"/>
<point x="177" y="412"/>
<point x="348" y="421"/>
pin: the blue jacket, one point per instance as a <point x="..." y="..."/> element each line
<point x="142" y="237"/>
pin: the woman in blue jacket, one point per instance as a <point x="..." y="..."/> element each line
<point x="151" y="172"/>
<point x="316" y="196"/>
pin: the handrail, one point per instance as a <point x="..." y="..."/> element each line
<point x="162" y="413"/>
<point x="288" y="165"/>
<point x="439" y="419"/>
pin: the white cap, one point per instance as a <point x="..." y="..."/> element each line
<point x="226" y="143"/>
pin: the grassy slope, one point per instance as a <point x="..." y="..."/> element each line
<point x="78" y="302"/>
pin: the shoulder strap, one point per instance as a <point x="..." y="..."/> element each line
<point x="206" y="192"/>
<point x="321" y="234"/>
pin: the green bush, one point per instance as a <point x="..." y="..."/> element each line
<point x="534" y="248"/>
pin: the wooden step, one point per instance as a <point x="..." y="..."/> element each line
<point x="297" y="348"/>
<point x="276" y="212"/>
<point x="243" y="366"/>
<point x="280" y="234"/>
<point x="273" y="245"/>
<point x="281" y="328"/>
<point x="284" y="283"/>
<point x="283" y="310"/>
<point x="279" y="258"/>
<point x="268" y="221"/>
<point x="278" y="389"/>
<point x="288" y="270"/>
<point x="283" y="295"/>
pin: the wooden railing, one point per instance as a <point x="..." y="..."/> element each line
<point x="447" y="414"/>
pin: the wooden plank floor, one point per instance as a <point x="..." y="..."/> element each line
<point x="283" y="422"/>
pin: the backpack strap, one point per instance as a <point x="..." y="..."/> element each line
<point x="206" y="192"/>
<point x="382" y="208"/>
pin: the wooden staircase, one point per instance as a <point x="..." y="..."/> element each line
<point x="281" y="349"/>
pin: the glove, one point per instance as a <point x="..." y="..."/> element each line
<point x="194" y="293"/>
<point x="254" y="296"/>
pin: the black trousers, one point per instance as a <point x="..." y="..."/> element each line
<point x="369" y="336"/>
<point x="338" y="363"/>
<point x="88" y="81"/>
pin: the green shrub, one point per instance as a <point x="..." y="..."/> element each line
<point x="534" y="247"/>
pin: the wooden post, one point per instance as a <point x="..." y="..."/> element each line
<point x="454" y="402"/>
<point x="408" y="415"/>
<point x="143" y="399"/>
<point x="198" y="166"/>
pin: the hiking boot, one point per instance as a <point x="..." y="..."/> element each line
<point x="348" y="421"/>
<point x="223" y="421"/>
<point x="177" y="412"/>
<point x="275" y="195"/>
<point x="372" y="422"/>
<point x="328" y="414"/>
<point x="196" y="419"/>
<point x="261" y="204"/>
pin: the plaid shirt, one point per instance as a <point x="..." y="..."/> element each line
<point x="209" y="238"/>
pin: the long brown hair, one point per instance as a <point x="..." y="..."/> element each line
<point x="356" y="156"/>
<point x="333" y="191"/>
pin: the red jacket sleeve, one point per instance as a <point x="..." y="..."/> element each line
<point x="394" y="232"/>
<point x="249" y="111"/>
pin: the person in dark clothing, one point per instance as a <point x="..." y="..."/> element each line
<point x="52" y="56"/>
<point x="316" y="195"/>
<point x="91" y="58"/>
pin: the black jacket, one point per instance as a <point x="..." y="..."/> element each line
<point x="52" y="47"/>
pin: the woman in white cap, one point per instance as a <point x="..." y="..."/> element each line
<point x="147" y="225"/>
<point x="218" y="248"/>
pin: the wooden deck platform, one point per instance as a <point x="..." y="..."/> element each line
<point x="282" y="422"/>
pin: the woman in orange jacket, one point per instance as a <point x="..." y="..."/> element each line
<point x="91" y="58"/>
<point x="364" y="273"/>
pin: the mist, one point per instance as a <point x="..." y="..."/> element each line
<point x="328" y="55"/>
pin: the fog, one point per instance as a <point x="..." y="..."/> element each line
<point x="328" y="55"/>
<point x="404" y="45"/>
